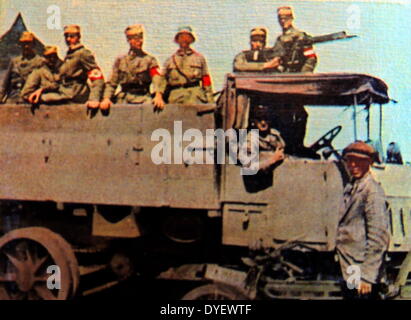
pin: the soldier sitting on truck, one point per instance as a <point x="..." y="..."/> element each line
<point x="258" y="58"/>
<point x="298" y="56"/>
<point x="135" y="72"/>
<point x="43" y="79"/>
<point x="186" y="72"/>
<point x="292" y="52"/>
<point x="79" y="67"/>
<point x="21" y="67"/>
<point x="298" y="52"/>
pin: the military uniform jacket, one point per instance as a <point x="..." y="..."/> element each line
<point x="191" y="63"/>
<point x="187" y="78"/>
<point x="41" y="78"/>
<point x="363" y="230"/>
<point x="78" y="66"/>
<point x="254" y="60"/>
<point x="20" y="68"/>
<point x="135" y="72"/>
<point x="298" y="53"/>
<point x="249" y="60"/>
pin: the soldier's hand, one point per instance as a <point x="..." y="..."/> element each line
<point x="272" y="64"/>
<point x="93" y="104"/>
<point x="364" y="288"/>
<point x="278" y="155"/>
<point x="210" y="97"/>
<point x="35" y="96"/>
<point x="105" y="104"/>
<point x="158" y="101"/>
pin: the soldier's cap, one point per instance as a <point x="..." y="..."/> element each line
<point x="135" y="30"/>
<point x="72" y="28"/>
<point x="360" y="149"/>
<point x="261" y="112"/>
<point x="26" y="36"/>
<point x="258" y="31"/>
<point x="49" y="50"/>
<point x="285" y="11"/>
<point x="185" y="29"/>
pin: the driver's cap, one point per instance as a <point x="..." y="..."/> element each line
<point x="261" y="112"/>
<point x="359" y="149"/>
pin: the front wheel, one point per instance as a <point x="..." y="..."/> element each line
<point x="26" y="256"/>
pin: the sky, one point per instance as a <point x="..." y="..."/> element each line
<point x="222" y="28"/>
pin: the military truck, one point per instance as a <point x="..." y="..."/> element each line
<point x="84" y="196"/>
<point x="82" y="192"/>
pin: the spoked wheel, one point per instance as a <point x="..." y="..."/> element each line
<point x="25" y="257"/>
<point x="71" y="260"/>
<point x="215" y="291"/>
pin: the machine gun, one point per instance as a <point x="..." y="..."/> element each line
<point x="268" y="54"/>
<point x="292" y="53"/>
<point x="331" y="37"/>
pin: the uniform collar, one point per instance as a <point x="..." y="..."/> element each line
<point x="28" y="57"/>
<point x="187" y="52"/>
<point x="75" y="48"/>
<point x="289" y="30"/>
<point x="56" y="67"/>
<point x="136" y="53"/>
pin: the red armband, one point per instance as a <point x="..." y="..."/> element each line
<point x="95" y="74"/>
<point x="154" y="72"/>
<point x="206" y="80"/>
<point x="309" y="52"/>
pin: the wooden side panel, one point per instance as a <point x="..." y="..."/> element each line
<point x="62" y="154"/>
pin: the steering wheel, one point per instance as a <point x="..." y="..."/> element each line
<point x="325" y="140"/>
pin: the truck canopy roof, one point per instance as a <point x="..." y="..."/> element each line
<point x="333" y="89"/>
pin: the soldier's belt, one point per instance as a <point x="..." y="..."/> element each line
<point x="135" y="89"/>
<point x="186" y="85"/>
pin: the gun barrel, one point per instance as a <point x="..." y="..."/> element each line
<point x="332" y="37"/>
